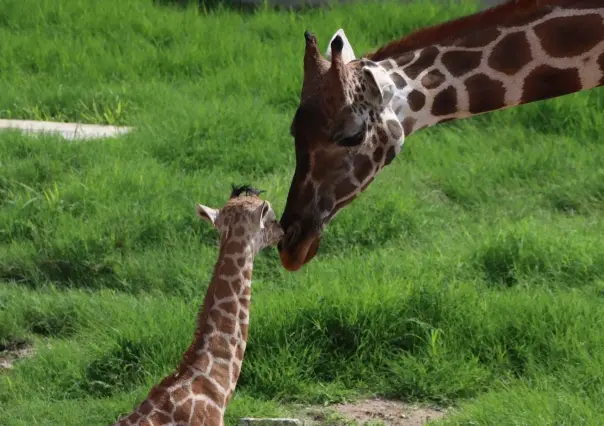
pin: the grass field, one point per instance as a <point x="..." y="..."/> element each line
<point x="470" y="274"/>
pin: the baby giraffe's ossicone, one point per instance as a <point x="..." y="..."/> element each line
<point x="198" y="391"/>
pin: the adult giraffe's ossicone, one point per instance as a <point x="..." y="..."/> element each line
<point x="354" y="114"/>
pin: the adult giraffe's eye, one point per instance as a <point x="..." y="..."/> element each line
<point x="353" y="140"/>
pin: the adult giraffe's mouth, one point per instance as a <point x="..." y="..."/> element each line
<point x="297" y="255"/>
<point x="296" y="252"/>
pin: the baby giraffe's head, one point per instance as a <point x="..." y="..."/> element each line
<point x="245" y="217"/>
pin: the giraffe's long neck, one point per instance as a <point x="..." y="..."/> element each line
<point x="560" y="50"/>
<point x="221" y="336"/>
<point x="198" y="392"/>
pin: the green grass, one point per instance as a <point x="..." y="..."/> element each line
<point x="471" y="273"/>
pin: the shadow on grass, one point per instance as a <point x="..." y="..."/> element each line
<point x="513" y="258"/>
<point x="61" y="321"/>
<point x="121" y="368"/>
<point x="241" y="6"/>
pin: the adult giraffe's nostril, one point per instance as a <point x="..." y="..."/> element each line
<point x="290" y="235"/>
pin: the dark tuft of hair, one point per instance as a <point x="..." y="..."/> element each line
<point x="245" y="189"/>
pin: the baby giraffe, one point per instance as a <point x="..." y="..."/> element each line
<point x="198" y="392"/>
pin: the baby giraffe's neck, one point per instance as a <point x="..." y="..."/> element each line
<point x="198" y="392"/>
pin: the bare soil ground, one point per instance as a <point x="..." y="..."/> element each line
<point x="374" y="411"/>
<point x="394" y="413"/>
<point x="11" y="352"/>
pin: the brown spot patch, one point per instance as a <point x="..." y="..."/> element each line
<point x="416" y="100"/>
<point x="445" y="102"/>
<point x="223" y="323"/>
<point x="179" y="395"/>
<point x="389" y="156"/>
<point x="433" y="79"/>
<point x="363" y="166"/>
<point x="381" y="134"/>
<point x="408" y="124"/>
<point x="220" y="373"/>
<point x="377" y="154"/>
<point x="222" y="289"/>
<point x="398" y="80"/>
<point x="229" y="267"/>
<point x="344" y="188"/>
<point x="548" y="82"/>
<point x="405" y="59"/>
<point x="460" y="62"/>
<point x="213" y="414"/>
<point x="161" y="418"/>
<point x="510" y="54"/>
<point x="203" y="386"/>
<point x="219" y="347"/>
<point x="145" y="408"/>
<point x="478" y="38"/>
<point x="241" y="261"/>
<point x="234" y="247"/>
<point x="183" y="412"/>
<point x="168" y="406"/>
<point x="395" y="129"/>
<point x="426" y="59"/>
<point x="485" y="94"/>
<point x="570" y="35"/>
<point x="325" y="204"/>
<point x="230" y="306"/>
<point x="236" y="370"/>
<point x="242" y="314"/>
<point x="134" y="417"/>
<point x="239" y="352"/>
<point x="239" y="231"/>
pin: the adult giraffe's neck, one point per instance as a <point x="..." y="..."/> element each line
<point x="221" y="335"/>
<point x="558" y="53"/>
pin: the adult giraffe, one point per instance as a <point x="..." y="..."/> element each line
<point x="355" y="113"/>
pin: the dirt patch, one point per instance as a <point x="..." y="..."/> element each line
<point x="13" y="351"/>
<point x="392" y="413"/>
<point x="373" y="411"/>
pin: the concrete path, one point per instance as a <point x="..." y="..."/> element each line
<point x="70" y="131"/>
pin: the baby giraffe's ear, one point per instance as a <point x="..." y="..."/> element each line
<point x="262" y="212"/>
<point x="207" y="213"/>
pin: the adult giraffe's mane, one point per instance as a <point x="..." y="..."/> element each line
<point x="503" y="14"/>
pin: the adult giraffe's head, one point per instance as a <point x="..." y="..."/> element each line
<point x="345" y="132"/>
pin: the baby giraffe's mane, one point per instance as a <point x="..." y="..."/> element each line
<point x="511" y="11"/>
<point x="245" y="189"/>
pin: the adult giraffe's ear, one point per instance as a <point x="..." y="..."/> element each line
<point x="207" y="213"/>
<point x="348" y="129"/>
<point x="381" y="88"/>
<point x="347" y="52"/>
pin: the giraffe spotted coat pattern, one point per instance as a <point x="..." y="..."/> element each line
<point x="354" y="114"/>
<point x="560" y="52"/>
<point x="198" y="391"/>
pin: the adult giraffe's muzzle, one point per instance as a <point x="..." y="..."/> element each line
<point x="295" y="256"/>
